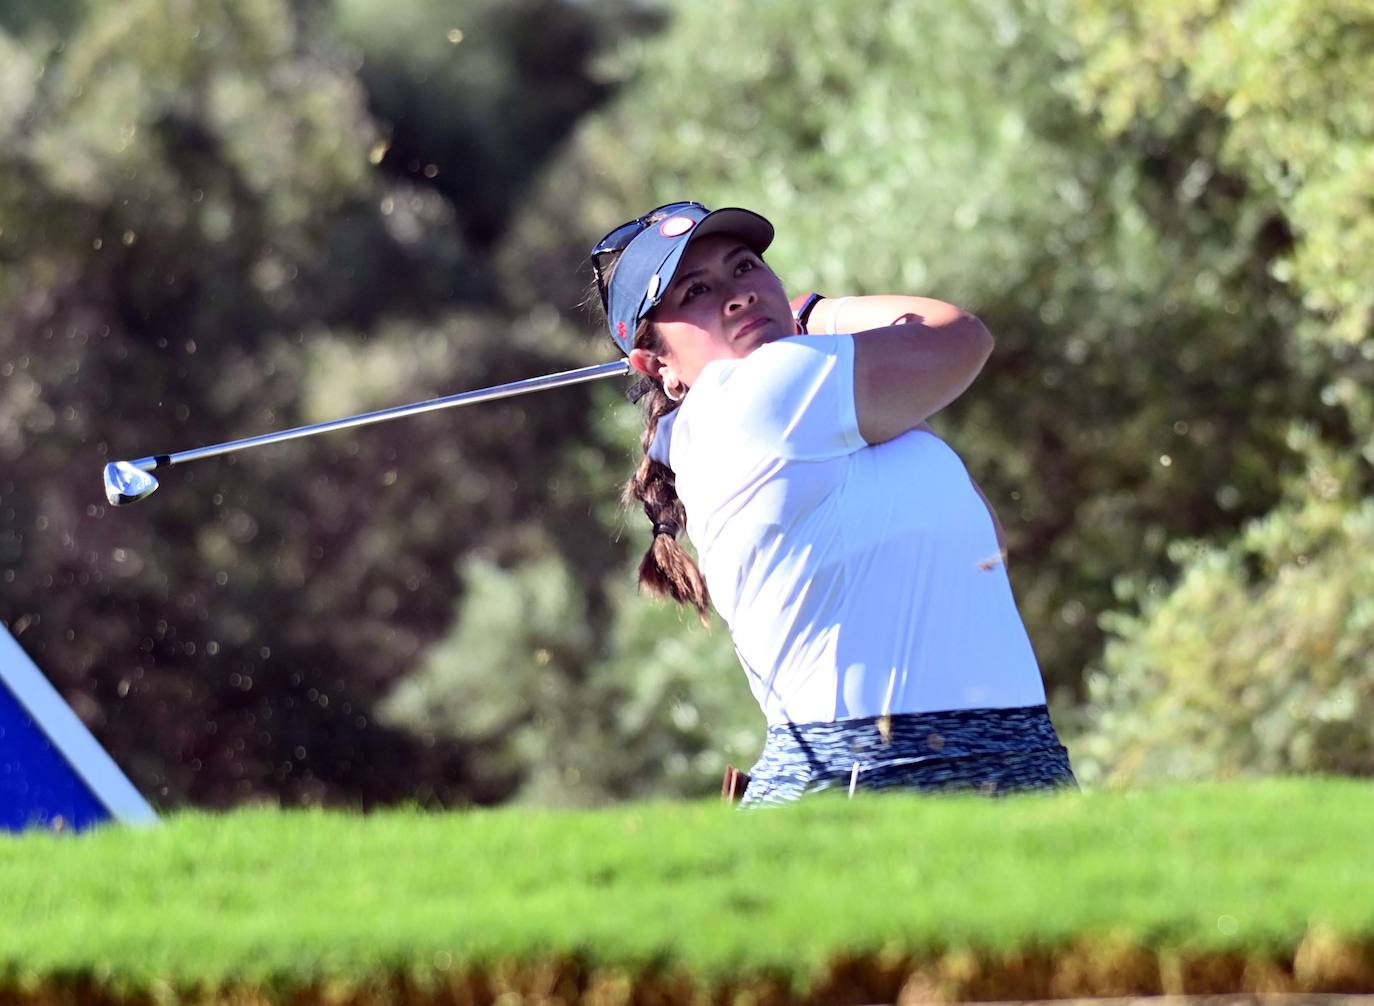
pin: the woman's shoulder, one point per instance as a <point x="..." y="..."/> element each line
<point x="776" y="362"/>
<point x="794" y="396"/>
<point x="801" y="346"/>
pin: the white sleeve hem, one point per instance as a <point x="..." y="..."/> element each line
<point x="849" y="407"/>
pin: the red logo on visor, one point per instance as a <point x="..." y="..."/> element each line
<point x="675" y="227"/>
<point x="620" y="329"/>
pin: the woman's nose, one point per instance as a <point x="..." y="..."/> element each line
<point x="739" y="300"/>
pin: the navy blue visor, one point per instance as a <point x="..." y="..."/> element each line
<point x="646" y="253"/>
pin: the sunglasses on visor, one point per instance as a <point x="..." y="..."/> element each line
<point x="608" y="249"/>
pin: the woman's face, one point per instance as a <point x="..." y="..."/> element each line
<point x="722" y="305"/>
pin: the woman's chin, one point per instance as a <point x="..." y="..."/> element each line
<point x="751" y="340"/>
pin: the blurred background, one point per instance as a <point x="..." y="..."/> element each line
<point x="221" y="219"/>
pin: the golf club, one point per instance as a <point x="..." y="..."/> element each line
<point x="130" y="481"/>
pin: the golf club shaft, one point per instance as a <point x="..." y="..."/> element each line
<point x="580" y="376"/>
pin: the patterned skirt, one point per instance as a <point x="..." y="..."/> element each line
<point x="991" y="751"/>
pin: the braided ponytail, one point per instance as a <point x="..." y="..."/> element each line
<point x="667" y="570"/>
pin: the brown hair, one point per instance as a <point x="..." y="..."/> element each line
<point x="667" y="569"/>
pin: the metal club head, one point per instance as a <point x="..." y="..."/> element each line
<point x="125" y="483"/>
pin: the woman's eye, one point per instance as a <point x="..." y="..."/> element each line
<point x="692" y="291"/>
<point x="745" y="266"/>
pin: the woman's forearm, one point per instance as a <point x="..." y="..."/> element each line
<point x="861" y="314"/>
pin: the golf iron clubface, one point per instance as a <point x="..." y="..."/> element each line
<point x="125" y="483"/>
<point x="130" y="481"/>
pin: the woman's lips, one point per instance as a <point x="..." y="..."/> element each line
<point x="750" y="326"/>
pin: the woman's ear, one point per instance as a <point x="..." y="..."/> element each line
<point x="645" y="362"/>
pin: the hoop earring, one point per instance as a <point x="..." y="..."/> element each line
<point x="672" y="397"/>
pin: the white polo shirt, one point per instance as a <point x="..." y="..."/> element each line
<point x="857" y="579"/>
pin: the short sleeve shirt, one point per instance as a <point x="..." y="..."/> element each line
<point x="857" y="579"/>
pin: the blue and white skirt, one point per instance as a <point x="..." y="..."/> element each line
<point x="992" y="751"/>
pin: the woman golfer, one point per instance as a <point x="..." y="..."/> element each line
<point x="858" y="567"/>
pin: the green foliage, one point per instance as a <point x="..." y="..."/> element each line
<point x="1184" y="870"/>
<point x="477" y="95"/>
<point x="564" y="714"/>
<point x="1289" y="78"/>
<point x="195" y="245"/>
<point x="685" y="708"/>
<point x="506" y="679"/>
<point x="1287" y="82"/>
<point x="1257" y="661"/>
<point x="23" y="17"/>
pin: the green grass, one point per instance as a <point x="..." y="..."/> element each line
<point x="269" y="896"/>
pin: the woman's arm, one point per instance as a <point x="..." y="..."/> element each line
<point x="912" y="357"/>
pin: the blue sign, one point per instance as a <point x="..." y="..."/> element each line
<point x="53" y="773"/>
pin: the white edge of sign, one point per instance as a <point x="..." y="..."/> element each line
<point x="69" y="735"/>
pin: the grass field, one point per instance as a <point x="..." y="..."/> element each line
<point x="1256" y="874"/>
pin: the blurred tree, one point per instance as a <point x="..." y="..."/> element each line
<point x="565" y="715"/>
<point x="1258" y="660"/>
<point x="194" y="246"/>
<point x="1288" y="80"/>
<point x="476" y="96"/>
<point x="54" y="17"/>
